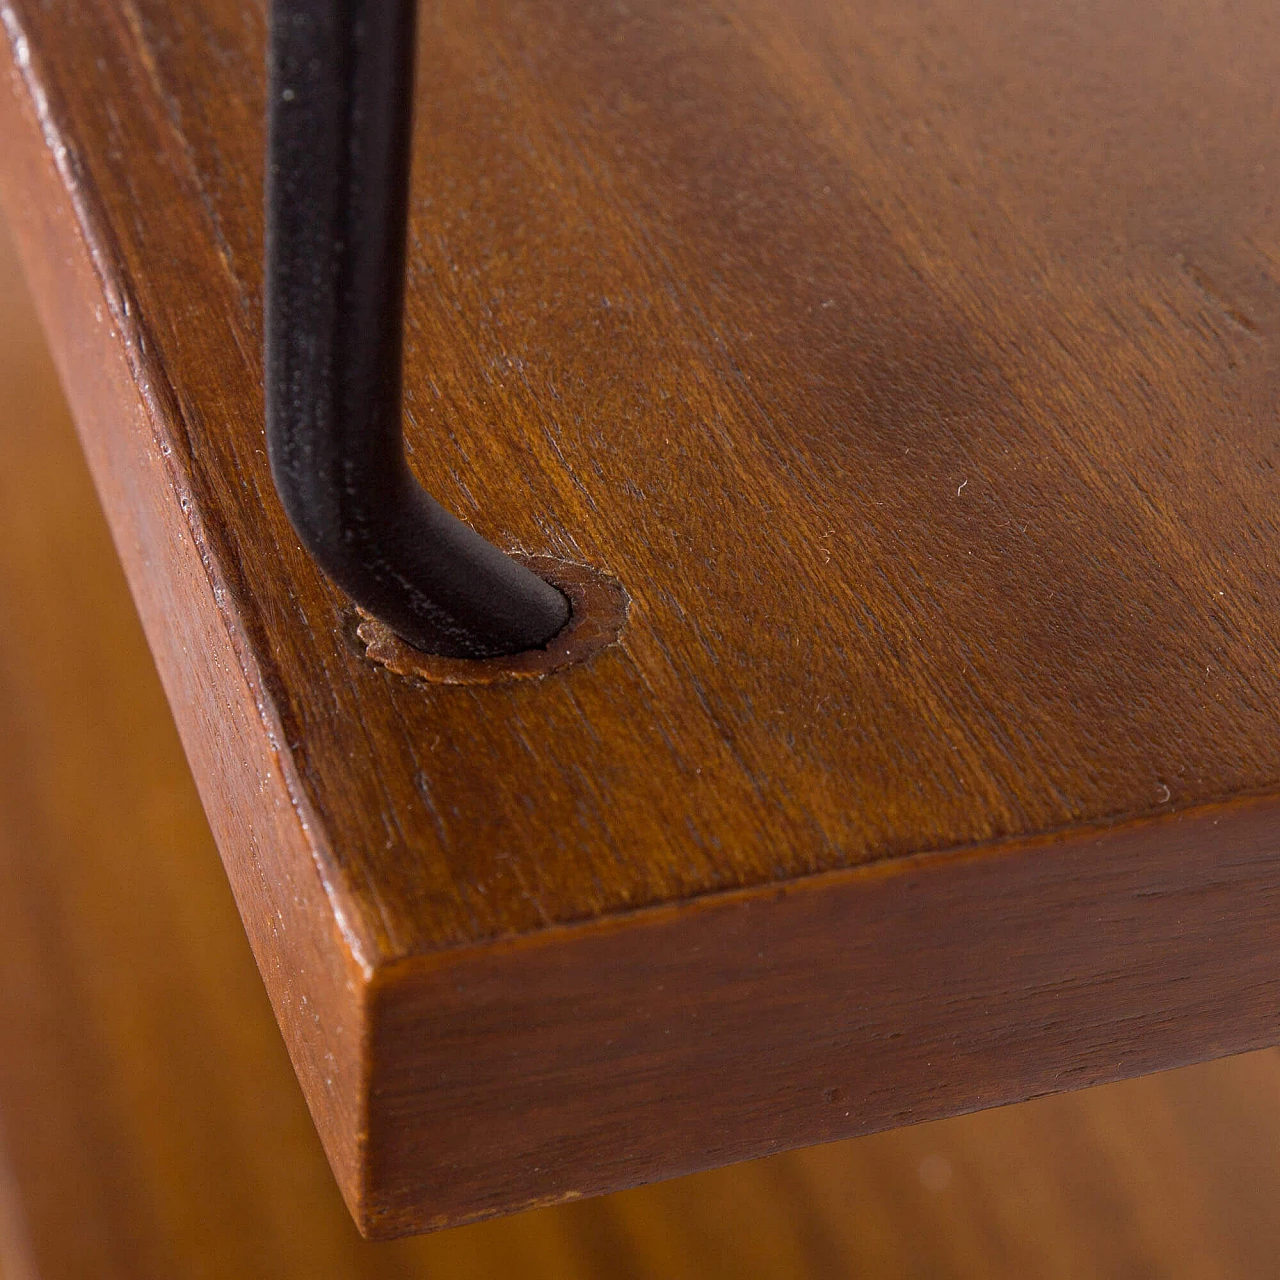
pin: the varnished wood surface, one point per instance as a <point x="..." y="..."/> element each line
<point x="919" y="388"/>
<point x="913" y="368"/>
<point x="915" y="377"/>
<point x="153" y="1129"/>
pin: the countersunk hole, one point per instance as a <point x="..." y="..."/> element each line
<point x="597" y="612"/>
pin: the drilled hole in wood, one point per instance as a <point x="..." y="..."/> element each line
<point x="598" y="609"/>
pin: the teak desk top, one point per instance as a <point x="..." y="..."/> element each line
<point x="914" y="368"/>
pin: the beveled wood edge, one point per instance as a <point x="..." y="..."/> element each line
<point x="312" y="962"/>
<point x="679" y="1038"/>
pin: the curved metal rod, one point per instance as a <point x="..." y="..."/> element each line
<point x="339" y="128"/>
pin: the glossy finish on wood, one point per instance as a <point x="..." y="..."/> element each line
<point x="152" y="1127"/>
<point x="915" y="370"/>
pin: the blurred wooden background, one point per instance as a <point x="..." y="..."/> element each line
<point x="151" y="1125"/>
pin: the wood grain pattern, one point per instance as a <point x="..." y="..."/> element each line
<point x="153" y="1129"/>
<point x="913" y="368"/>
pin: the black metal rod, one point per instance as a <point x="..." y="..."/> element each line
<point x="339" y="127"/>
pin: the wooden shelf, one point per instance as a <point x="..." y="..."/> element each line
<point x="153" y="1105"/>
<point x="914" y="372"/>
